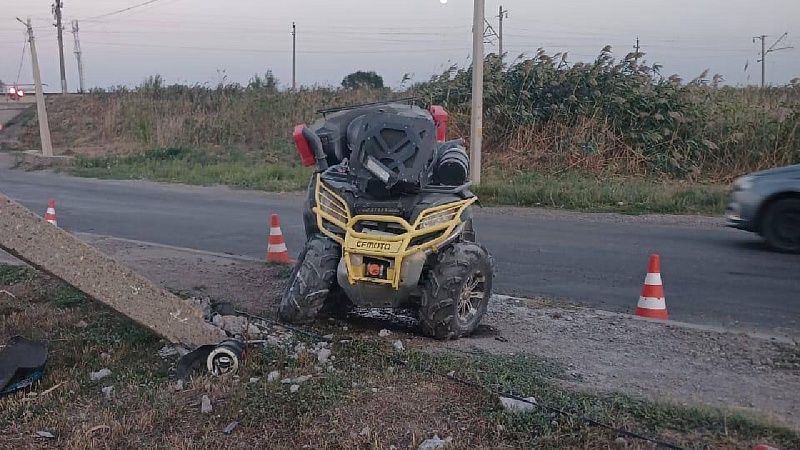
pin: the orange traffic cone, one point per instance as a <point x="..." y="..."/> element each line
<point x="276" y="248"/>
<point x="50" y="215"/>
<point x="652" y="303"/>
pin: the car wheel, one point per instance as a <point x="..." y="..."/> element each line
<point x="781" y="226"/>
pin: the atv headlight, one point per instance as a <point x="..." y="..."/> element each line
<point x="438" y="218"/>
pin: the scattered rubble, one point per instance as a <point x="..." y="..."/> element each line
<point x="435" y="443"/>
<point x="323" y="355"/>
<point x="294" y="388"/>
<point x="254" y="379"/>
<point x="273" y="376"/>
<point x="205" y="405"/>
<point x="384" y="333"/>
<point x="230" y="427"/>
<point x="100" y="374"/>
<point x="398" y="345"/>
<point x="45" y="434"/>
<point x="518" y="406"/>
<point x="108" y="391"/>
<point x="167" y="352"/>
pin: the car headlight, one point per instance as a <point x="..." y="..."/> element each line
<point x="743" y="184"/>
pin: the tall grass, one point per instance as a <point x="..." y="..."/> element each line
<point x="606" y="118"/>
<point x="623" y="117"/>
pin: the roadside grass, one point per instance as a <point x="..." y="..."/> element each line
<point x="588" y="192"/>
<point x="268" y="172"/>
<point x="234" y="168"/>
<point x="370" y="400"/>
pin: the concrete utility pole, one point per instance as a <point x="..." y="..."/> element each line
<point x="503" y="15"/>
<point x="766" y="51"/>
<point x="294" y="56"/>
<point x="476" y="128"/>
<point x="78" y="55"/>
<point x="41" y="109"/>
<point x="57" y="14"/>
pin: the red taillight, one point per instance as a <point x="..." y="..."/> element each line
<point x="440" y="117"/>
<point x="306" y="155"/>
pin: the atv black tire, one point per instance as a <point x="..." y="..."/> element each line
<point x="313" y="278"/>
<point x="781" y="225"/>
<point x="462" y="270"/>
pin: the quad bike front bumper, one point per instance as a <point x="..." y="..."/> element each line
<point x="381" y="268"/>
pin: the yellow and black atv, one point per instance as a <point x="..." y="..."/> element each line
<point x="389" y="221"/>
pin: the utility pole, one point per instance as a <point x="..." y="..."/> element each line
<point x="766" y="51"/>
<point x="78" y="54"/>
<point x="637" y="48"/>
<point x="57" y="14"/>
<point x="294" y="56"/>
<point x="476" y="128"/>
<point x="41" y="110"/>
<point x="503" y="15"/>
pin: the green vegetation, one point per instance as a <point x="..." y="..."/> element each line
<point x="363" y="80"/>
<point x="623" y="117"/>
<point x="596" y="193"/>
<point x="372" y="399"/>
<point x="177" y="165"/>
<point x="572" y="190"/>
<point x="585" y="135"/>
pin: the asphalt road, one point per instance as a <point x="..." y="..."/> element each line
<point x="712" y="275"/>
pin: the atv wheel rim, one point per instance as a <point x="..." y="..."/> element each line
<point x="472" y="295"/>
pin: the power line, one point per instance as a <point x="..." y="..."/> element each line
<point x="22" y="59"/>
<point x="119" y="11"/>
<point x="256" y="50"/>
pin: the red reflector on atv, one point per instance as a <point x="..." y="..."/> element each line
<point x="306" y="155"/>
<point x="440" y="118"/>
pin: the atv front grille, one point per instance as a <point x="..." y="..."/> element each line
<point x="333" y="214"/>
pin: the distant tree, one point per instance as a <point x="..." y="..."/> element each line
<point x="268" y="82"/>
<point x="363" y="80"/>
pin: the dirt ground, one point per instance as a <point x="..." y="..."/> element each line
<point x="603" y="351"/>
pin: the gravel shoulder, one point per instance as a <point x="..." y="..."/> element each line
<point x="603" y="351"/>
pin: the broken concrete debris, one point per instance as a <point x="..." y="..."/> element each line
<point x="435" y="443"/>
<point x="294" y="388"/>
<point x="108" y="392"/>
<point x="273" y="376"/>
<point x="100" y="374"/>
<point x="45" y="434"/>
<point x="384" y="333"/>
<point x="205" y="405"/>
<point x="230" y="427"/>
<point x="518" y="406"/>
<point x="323" y="355"/>
<point x="398" y="345"/>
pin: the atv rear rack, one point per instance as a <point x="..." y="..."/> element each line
<point x="327" y="111"/>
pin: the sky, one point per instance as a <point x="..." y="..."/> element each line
<point x="207" y="41"/>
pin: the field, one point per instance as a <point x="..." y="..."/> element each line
<point x="612" y="135"/>
<point x="373" y="397"/>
